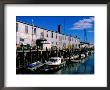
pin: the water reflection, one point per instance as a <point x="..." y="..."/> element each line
<point x="85" y="67"/>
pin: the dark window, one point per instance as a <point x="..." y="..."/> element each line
<point x="56" y="43"/>
<point x="21" y="39"/>
<point x="52" y="34"/>
<point x="47" y="33"/>
<point x="16" y="27"/>
<point x="76" y="45"/>
<point x="64" y="44"/>
<point x="56" y="35"/>
<point x="34" y="30"/>
<point x="26" y="29"/>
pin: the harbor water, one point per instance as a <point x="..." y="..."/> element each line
<point x="85" y="67"/>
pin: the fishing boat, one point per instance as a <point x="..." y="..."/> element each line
<point x="34" y="66"/>
<point x="75" y="58"/>
<point x="55" y="61"/>
<point x="53" y="64"/>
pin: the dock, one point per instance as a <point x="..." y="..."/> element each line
<point x="25" y="58"/>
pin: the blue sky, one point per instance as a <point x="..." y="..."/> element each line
<point x="74" y="25"/>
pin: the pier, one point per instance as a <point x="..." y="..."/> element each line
<point x="33" y="61"/>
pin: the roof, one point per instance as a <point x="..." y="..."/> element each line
<point x="46" y="29"/>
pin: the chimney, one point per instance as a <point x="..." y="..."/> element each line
<point x="59" y="28"/>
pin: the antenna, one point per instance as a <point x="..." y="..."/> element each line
<point x="85" y="36"/>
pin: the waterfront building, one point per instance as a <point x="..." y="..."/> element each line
<point x="30" y="34"/>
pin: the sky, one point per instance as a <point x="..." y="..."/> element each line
<point x="70" y="25"/>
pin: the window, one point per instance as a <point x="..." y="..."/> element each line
<point x="76" y="45"/>
<point x="52" y="35"/>
<point x="26" y="29"/>
<point x="64" y="44"/>
<point x="47" y="33"/>
<point x="56" y="43"/>
<point x="21" y="39"/>
<point x="56" y="35"/>
<point x="34" y="30"/>
<point x="16" y="27"/>
<point x="72" y="45"/>
<point x="52" y="42"/>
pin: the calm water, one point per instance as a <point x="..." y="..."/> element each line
<point x="86" y="67"/>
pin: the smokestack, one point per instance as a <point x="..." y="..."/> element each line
<point x="59" y="28"/>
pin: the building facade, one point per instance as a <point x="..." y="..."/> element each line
<point x="28" y="34"/>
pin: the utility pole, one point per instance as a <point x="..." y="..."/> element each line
<point x="85" y="34"/>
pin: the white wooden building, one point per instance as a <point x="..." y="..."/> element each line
<point x="28" y="34"/>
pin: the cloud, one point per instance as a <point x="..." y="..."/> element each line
<point x="91" y="19"/>
<point x="83" y="24"/>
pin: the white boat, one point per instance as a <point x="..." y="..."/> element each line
<point x="53" y="64"/>
<point x="75" y="56"/>
<point x="54" y="61"/>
